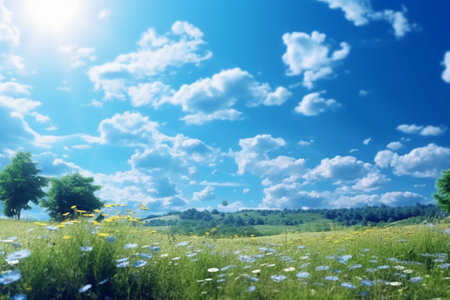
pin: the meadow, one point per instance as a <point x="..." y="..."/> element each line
<point x="120" y="258"/>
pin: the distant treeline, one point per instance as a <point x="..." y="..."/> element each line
<point x="243" y="222"/>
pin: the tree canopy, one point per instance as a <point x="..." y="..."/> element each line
<point x="71" y="190"/>
<point x="443" y="191"/>
<point x="20" y="184"/>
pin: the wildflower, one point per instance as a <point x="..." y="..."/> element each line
<point x="303" y="275"/>
<point x="332" y="278"/>
<point x="257" y="271"/>
<point x="18" y="255"/>
<point x="103" y="234"/>
<point x="355" y="266"/>
<point x="227" y="267"/>
<point x="251" y="289"/>
<point x="394" y="283"/>
<point x="322" y="268"/>
<point x="103" y="281"/>
<point x="97" y="211"/>
<point x="213" y="270"/>
<point x="278" y="278"/>
<point x="290" y="269"/>
<point x="8" y="277"/>
<point x="146" y="255"/>
<point x="182" y="244"/>
<point x="84" y="288"/>
<point x="130" y="246"/>
<point x="367" y="282"/>
<point x="348" y="285"/>
<point x="73" y="207"/>
<point x="123" y="264"/>
<point x="139" y="263"/>
<point x="443" y="266"/>
<point x="66" y="237"/>
<point x="86" y="248"/>
<point x="383" y="267"/>
<point x="416" y="279"/>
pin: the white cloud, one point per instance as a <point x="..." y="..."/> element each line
<point x="151" y="93"/>
<point x="127" y="129"/>
<point x="425" y="161"/>
<point x="52" y="165"/>
<point x="446" y="64"/>
<point x="254" y="158"/>
<point x="433" y="130"/>
<point x="308" y="54"/>
<point x="396" y="145"/>
<point x="402" y="198"/>
<point x="213" y="98"/>
<point x="155" y="55"/>
<point x="78" y="57"/>
<point x="428" y="130"/>
<point x="355" y="201"/>
<point x="8" y="32"/>
<point x="19" y="106"/>
<point x="367" y="141"/>
<point x="363" y="93"/>
<point x="13" y="64"/>
<point x="313" y="104"/>
<point x="104" y="14"/>
<point x="355" y="10"/>
<point x="411" y="129"/>
<point x="339" y="169"/>
<point x="373" y="181"/>
<point x="306" y="143"/>
<point x="82" y="147"/>
<point x="207" y="194"/>
<point x="13" y="88"/>
<point x="291" y="196"/>
<point x="360" y="12"/>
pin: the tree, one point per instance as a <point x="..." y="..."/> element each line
<point x="443" y="191"/>
<point x="20" y="184"/>
<point x="71" y="190"/>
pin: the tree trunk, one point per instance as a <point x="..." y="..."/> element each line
<point x="18" y="214"/>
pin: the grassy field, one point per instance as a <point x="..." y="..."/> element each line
<point x="120" y="259"/>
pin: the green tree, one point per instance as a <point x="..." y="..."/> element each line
<point x="443" y="191"/>
<point x="71" y="190"/>
<point x="20" y="184"/>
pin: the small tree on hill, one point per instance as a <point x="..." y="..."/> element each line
<point x="20" y="184"/>
<point x="443" y="191"/>
<point x="71" y="190"/>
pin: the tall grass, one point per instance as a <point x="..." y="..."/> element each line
<point x="395" y="263"/>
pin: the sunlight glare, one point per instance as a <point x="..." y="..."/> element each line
<point x="52" y="15"/>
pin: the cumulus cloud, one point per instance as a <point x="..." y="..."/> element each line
<point x="52" y="165"/>
<point x="339" y="169"/>
<point x="428" y="130"/>
<point x="373" y="181"/>
<point x="446" y="64"/>
<point x="390" y="199"/>
<point x="127" y="129"/>
<point x="394" y="146"/>
<point x="254" y="158"/>
<point x="78" y="57"/>
<point x="291" y="196"/>
<point x="207" y="194"/>
<point x="313" y="104"/>
<point x="360" y="12"/>
<point x="8" y="32"/>
<point x="213" y="98"/>
<point x="425" y="161"/>
<point x="134" y="186"/>
<point x="309" y="55"/>
<point x="155" y="54"/>
<point x="367" y="141"/>
<point x="152" y="93"/>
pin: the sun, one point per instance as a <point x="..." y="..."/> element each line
<point x="52" y="15"/>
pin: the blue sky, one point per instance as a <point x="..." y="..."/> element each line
<point x="264" y="104"/>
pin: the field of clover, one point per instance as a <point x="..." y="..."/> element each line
<point x="120" y="258"/>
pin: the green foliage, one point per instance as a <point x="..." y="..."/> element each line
<point x="20" y="184"/>
<point x="443" y="191"/>
<point x="71" y="190"/>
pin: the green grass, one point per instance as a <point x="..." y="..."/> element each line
<point x="57" y="267"/>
